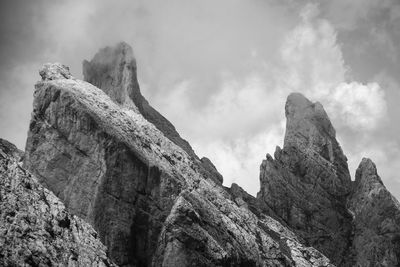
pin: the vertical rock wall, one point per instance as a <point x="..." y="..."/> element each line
<point x="308" y="181"/>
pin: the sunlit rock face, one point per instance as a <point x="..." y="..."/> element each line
<point x="35" y="227"/>
<point x="122" y="167"/>
<point x="146" y="196"/>
<point x="307" y="182"/>
<point x="376" y="219"/>
<point x="113" y="70"/>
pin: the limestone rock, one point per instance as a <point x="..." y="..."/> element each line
<point x="55" y="71"/>
<point x="10" y="150"/>
<point x="308" y="181"/>
<point x="145" y="195"/>
<point x="210" y="170"/>
<point x="35" y="227"/>
<point x="114" y="70"/>
<point x="376" y="219"/>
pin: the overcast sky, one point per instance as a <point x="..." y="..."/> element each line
<point x="220" y="71"/>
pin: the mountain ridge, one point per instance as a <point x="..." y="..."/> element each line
<point x="122" y="167"/>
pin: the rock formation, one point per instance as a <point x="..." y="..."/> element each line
<point x="308" y="181"/>
<point x="35" y="227"/>
<point x="113" y="70"/>
<point x="122" y="167"/>
<point x="146" y="196"/>
<point x="376" y="219"/>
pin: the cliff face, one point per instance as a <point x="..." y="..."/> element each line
<point x="376" y="219"/>
<point x="121" y="166"/>
<point x="113" y="70"/>
<point x="307" y="183"/>
<point x="35" y="227"/>
<point x="144" y="194"/>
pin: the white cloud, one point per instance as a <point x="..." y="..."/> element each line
<point x="315" y="66"/>
<point x="219" y="70"/>
<point x="239" y="159"/>
<point x="360" y="107"/>
<point x="244" y="119"/>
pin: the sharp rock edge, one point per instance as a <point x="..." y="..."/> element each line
<point x="122" y="167"/>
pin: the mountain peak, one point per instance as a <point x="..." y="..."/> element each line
<point x="376" y="220"/>
<point x="367" y="172"/>
<point x="308" y="127"/>
<point x="54" y="71"/>
<point x="113" y="69"/>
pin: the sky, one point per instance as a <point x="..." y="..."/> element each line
<point x="220" y="71"/>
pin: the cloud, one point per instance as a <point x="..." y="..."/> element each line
<point x="219" y="70"/>
<point x="361" y="107"/>
<point x="315" y="66"/>
<point x="244" y="119"/>
<point x="239" y="159"/>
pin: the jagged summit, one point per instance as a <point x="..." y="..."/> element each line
<point x="54" y="71"/>
<point x="376" y="219"/>
<point x="307" y="182"/>
<point x="122" y="167"/>
<point x="113" y="70"/>
<point x="299" y="109"/>
<point x="151" y="202"/>
<point x="367" y="173"/>
<point x="308" y="127"/>
<point x="7" y="148"/>
<point x="309" y="130"/>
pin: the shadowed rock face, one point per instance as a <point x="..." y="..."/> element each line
<point x="35" y="227"/>
<point x="113" y="70"/>
<point x="376" y="219"/>
<point x="88" y="151"/>
<point x="146" y="196"/>
<point x="308" y="181"/>
<point x="122" y="167"/>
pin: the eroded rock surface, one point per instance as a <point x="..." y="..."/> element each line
<point x="150" y="202"/>
<point x="308" y="181"/>
<point x="114" y="70"/>
<point x="376" y="219"/>
<point x="122" y="167"/>
<point x="35" y="227"/>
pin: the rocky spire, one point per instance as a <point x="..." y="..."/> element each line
<point x="113" y="70"/>
<point x="308" y="181"/>
<point x="376" y="219"/>
<point x="149" y="201"/>
<point x="309" y="129"/>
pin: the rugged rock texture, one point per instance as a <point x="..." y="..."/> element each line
<point x="35" y="228"/>
<point x="150" y="202"/>
<point x="308" y="181"/>
<point x="113" y="69"/>
<point x="121" y="166"/>
<point x="376" y="218"/>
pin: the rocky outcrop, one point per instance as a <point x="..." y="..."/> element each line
<point x="307" y="183"/>
<point x="121" y="166"/>
<point x="113" y="69"/>
<point x="145" y="195"/>
<point x="35" y="227"/>
<point x="376" y="219"/>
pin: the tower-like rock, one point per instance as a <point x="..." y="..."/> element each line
<point x="376" y="219"/>
<point x="149" y="200"/>
<point x="113" y="70"/>
<point x="308" y="181"/>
